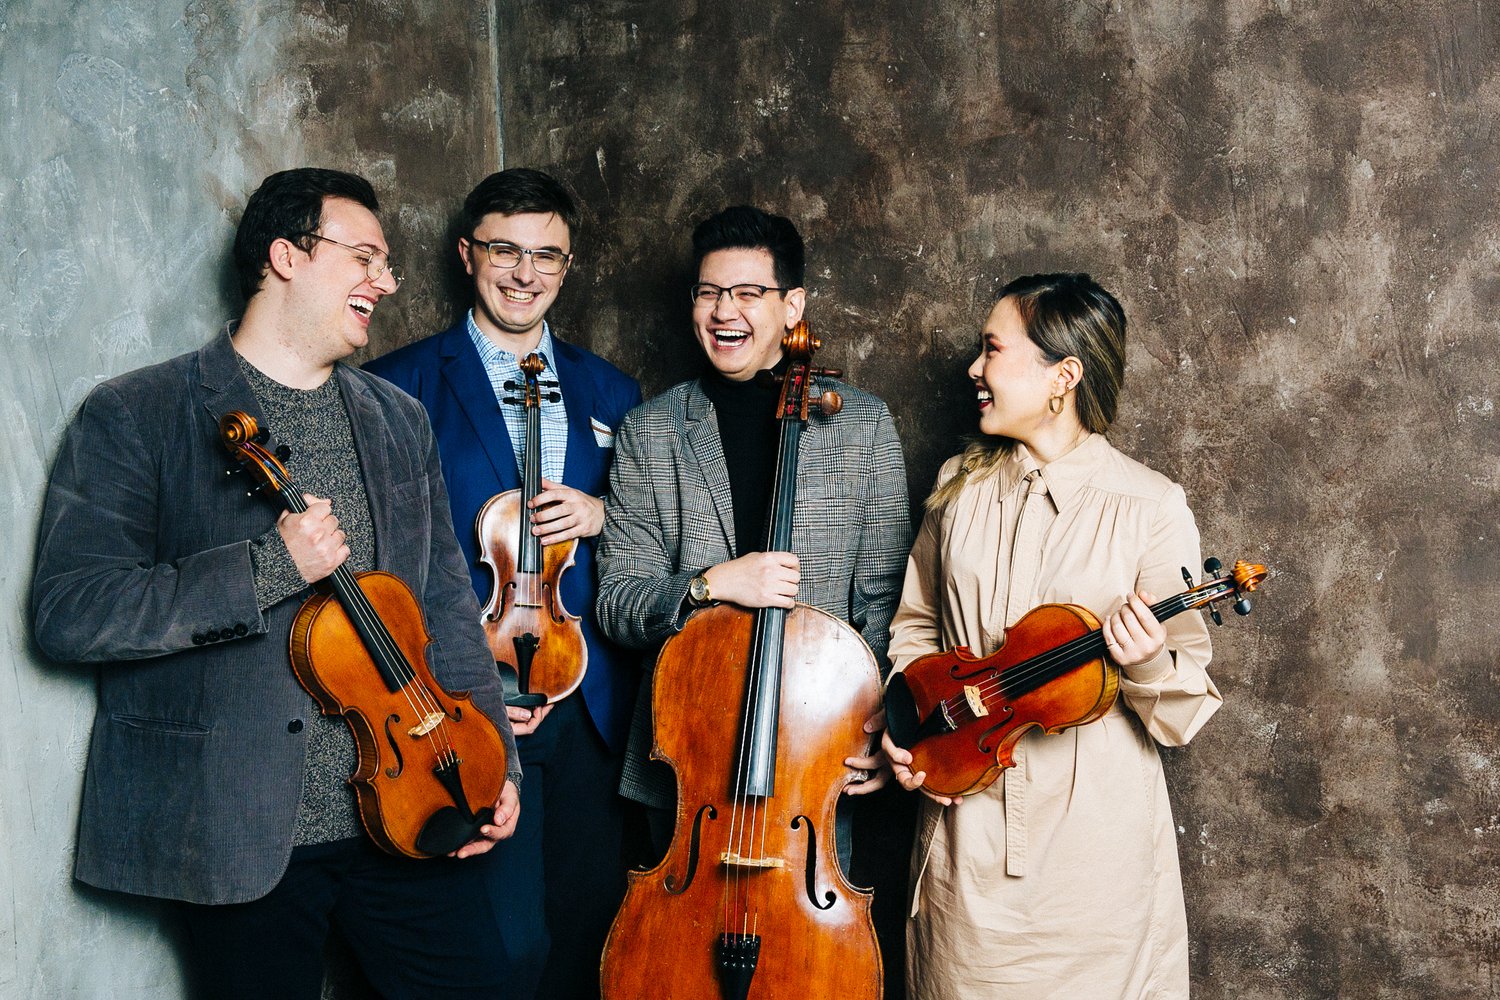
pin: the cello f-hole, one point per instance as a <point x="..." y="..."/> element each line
<point x="693" y="846"/>
<point x="810" y="869"/>
<point x="392" y="725"/>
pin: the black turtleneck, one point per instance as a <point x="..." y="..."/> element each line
<point x="748" y="431"/>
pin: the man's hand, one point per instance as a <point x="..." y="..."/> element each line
<point x="901" y="767"/>
<point x="757" y="580"/>
<point x="524" y="721"/>
<point x="314" y="539"/>
<point x="875" y="771"/>
<point x="560" y="512"/>
<point x="507" y="811"/>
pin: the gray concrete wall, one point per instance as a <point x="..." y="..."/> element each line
<point x="132" y="132"/>
<point x="1293" y="200"/>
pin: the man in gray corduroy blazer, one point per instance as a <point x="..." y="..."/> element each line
<point x="685" y="516"/>
<point x="212" y="779"/>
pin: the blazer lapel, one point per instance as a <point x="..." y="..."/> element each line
<point x="466" y="379"/>
<point x="374" y="461"/>
<point x="703" y="441"/>
<point x="581" y="462"/>
<point x="224" y="385"/>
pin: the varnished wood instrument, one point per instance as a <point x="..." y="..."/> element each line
<point x="528" y="629"/>
<point x="431" y="764"/>
<point x="755" y="711"/>
<point x="960" y="716"/>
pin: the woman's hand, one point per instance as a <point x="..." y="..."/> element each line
<point x="874" y="770"/>
<point x="1132" y="634"/>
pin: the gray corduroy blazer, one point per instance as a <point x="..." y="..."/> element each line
<point x="143" y="566"/>
<point x="669" y="516"/>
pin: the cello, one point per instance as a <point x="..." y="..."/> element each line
<point x="528" y="629"/>
<point x="960" y="716"/>
<point x="755" y="711"/>
<point x="431" y="765"/>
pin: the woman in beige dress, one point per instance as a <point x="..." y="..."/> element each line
<point x="1060" y="879"/>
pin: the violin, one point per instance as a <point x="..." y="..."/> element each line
<point x="755" y="711"/>
<point x="431" y="764"/>
<point x="528" y="629"/>
<point x="960" y="716"/>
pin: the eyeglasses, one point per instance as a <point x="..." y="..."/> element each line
<point x="376" y="262"/>
<point x="705" y="294"/>
<point x="508" y="255"/>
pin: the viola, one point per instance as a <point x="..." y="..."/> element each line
<point x="960" y="716"/>
<point x="756" y="710"/>
<point x="431" y="764"/>
<point x="529" y="630"/>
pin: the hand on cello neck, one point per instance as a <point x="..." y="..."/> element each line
<point x="756" y="580"/>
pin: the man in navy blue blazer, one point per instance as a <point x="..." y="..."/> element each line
<point x="561" y="876"/>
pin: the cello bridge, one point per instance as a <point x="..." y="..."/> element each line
<point x="737" y="860"/>
<point x="430" y="722"/>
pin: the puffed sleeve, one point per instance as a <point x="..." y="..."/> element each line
<point x="1172" y="694"/>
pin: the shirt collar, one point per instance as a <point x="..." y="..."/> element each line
<point x="1066" y="477"/>
<point x="488" y="348"/>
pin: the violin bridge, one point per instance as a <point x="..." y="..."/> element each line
<point x="427" y="725"/>
<point x="976" y="703"/>
<point x="736" y="860"/>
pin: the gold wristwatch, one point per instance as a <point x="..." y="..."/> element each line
<point x="698" y="595"/>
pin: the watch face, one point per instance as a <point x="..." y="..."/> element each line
<point x="698" y="590"/>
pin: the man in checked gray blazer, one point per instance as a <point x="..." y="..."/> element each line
<point x="685" y="518"/>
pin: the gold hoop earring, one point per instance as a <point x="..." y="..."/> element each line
<point x="1054" y="405"/>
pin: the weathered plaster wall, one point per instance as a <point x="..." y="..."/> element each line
<point x="1293" y="200"/>
<point x="131" y="135"/>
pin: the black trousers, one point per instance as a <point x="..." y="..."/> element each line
<point x="559" y="881"/>
<point x="419" y="929"/>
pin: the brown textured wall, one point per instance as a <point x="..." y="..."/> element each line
<point x="1292" y="199"/>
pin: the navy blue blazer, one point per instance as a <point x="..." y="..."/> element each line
<point x="444" y="372"/>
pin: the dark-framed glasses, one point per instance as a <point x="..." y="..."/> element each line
<point x="508" y="255"/>
<point x="706" y="294"/>
<point x="376" y="262"/>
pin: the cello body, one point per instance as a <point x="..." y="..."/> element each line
<point x="755" y="711"/>
<point x="817" y="937"/>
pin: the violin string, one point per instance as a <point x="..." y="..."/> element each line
<point x="358" y="608"/>
<point x="1019" y="677"/>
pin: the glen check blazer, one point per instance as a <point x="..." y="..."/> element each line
<point x="143" y="567"/>
<point x="669" y="516"/>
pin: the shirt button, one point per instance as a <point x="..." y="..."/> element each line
<point x="240" y="629"/>
<point x="295" y="726"/>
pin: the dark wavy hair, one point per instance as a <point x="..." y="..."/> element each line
<point x="516" y="191"/>
<point x="286" y="205"/>
<point x="745" y="228"/>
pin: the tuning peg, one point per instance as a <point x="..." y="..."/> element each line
<point x="1242" y="606"/>
<point x="511" y="401"/>
<point x="1211" y="566"/>
<point x="545" y="384"/>
<point x="830" y="403"/>
<point x="283" y="452"/>
<point x="552" y="397"/>
<point x="508" y="384"/>
<point x="1213" y="613"/>
<point x="1187" y="577"/>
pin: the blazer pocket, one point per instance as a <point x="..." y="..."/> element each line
<point x="166" y="727"/>
<point x="604" y="437"/>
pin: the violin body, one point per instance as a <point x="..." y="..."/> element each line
<point x="969" y="757"/>
<point x="431" y="765"/>
<point x="960" y="716"/>
<point x="527" y="627"/>
<point x="394" y="784"/>
<point x="815" y="930"/>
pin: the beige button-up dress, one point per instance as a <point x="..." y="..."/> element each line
<point x="1061" y="879"/>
